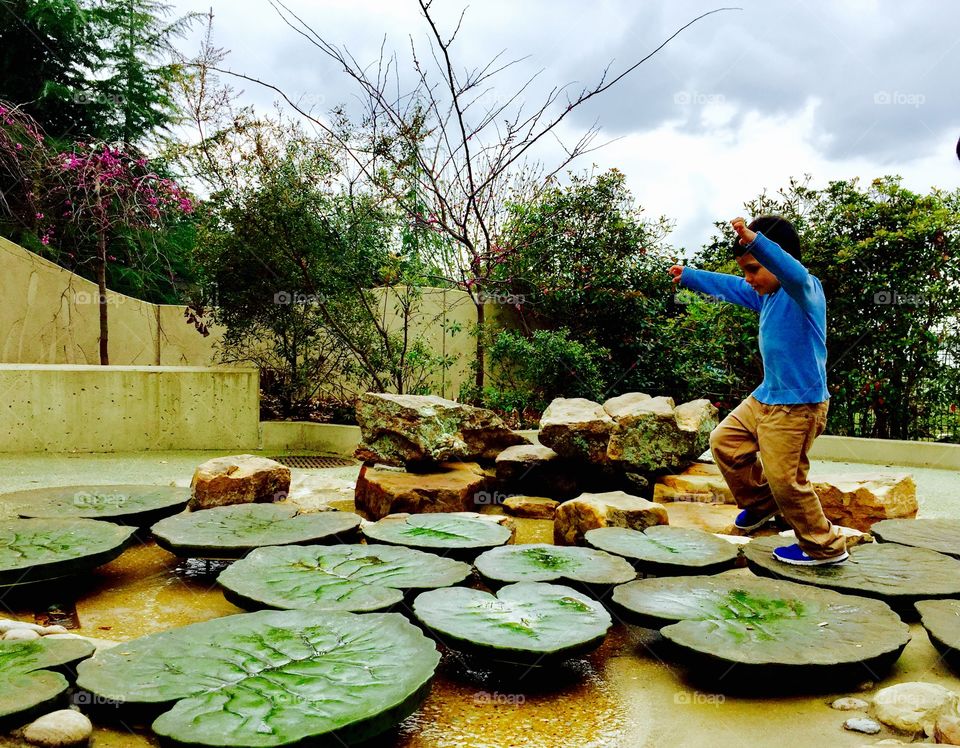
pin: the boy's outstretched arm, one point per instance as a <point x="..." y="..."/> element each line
<point x="721" y="285"/>
<point x="793" y="276"/>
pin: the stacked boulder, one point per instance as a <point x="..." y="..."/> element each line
<point x="444" y="451"/>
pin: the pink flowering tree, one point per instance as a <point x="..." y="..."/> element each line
<point x="102" y="192"/>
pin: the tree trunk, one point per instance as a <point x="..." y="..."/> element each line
<point x="102" y="288"/>
<point x="479" y="380"/>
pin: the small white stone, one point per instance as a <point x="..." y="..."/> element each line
<point x="848" y="704"/>
<point x="862" y="724"/>
<point x="54" y="629"/>
<point x="7" y="624"/>
<point x="64" y="727"/>
<point x="21" y="635"/>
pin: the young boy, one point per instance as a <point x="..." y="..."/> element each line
<point x="781" y="418"/>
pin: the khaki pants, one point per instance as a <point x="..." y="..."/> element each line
<point x="782" y="435"/>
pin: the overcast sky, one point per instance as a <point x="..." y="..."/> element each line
<point x="737" y="104"/>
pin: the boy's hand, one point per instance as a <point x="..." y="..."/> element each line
<point x="676" y="271"/>
<point x="745" y="234"/>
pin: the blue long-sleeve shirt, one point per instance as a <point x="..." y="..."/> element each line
<point x="793" y="323"/>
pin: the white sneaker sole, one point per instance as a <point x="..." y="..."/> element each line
<point x="814" y="561"/>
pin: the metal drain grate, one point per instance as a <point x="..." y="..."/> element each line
<point x="313" y="462"/>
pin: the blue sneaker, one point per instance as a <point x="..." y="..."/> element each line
<point x="748" y="521"/>
<point x="791" y="554"/>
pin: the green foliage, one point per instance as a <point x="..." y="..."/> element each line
<point x="531" y="370"/>
<point x="100" y="69"/>
<point x="889" y="264"/>
<point x="585" y="259"/>
<point x="293" y="257"/>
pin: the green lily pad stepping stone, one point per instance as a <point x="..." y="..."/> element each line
<point x="233" y="531"/>
<point x="664" y="551"/>
<point x="584" y="568"/>
<point x="441" y="532"/>
<point x="341" y="577"/>
<point x="768" y="629"/>
<point x="525" y="623"/>
<point x="37" y="550"/>
<point x="940" y="535"/>
<point x="29" y="679"/>
<point x="897" y="574"/>
<point x="941" y="619"/>
<point x="270" y="678"/>
<point x="139" y="506"/>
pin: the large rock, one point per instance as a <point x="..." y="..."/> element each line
<point x="859" y="501"/>
<point x="914" y="707"/>
<point x="537" y="470"/>
<point x="240" y="479"/>
<point x="576" y="428"/>
<point x="402" y="429"/>
<point x="652" y="435"/>
<point x="848" y="500"/>
<point x="452" y="487"/>
<point x="612" y="509"/>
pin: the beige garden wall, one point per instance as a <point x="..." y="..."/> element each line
<point x="51" y="316"/>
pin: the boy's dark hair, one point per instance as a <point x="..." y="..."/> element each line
<point x="777" y="229"/>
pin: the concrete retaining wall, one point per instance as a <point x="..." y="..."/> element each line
<point x="78" y="408"/>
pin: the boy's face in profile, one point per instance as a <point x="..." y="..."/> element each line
<point x="762" y="280"/>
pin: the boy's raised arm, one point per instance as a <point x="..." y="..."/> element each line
<point x="793" y="276"/>
<point x="721" y="285"/>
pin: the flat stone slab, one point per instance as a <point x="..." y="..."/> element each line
<point x="941" y="619"/>
<point x="526" y="623"/>
<point x="38" y="550"/>
<point x="137" y="506"/>
<point x="531" y="507"/>
<point x="29" y="681"/>
<point x="666" y="551"/>
<point x="229" y="532"/>
<point x="897" y="574"/>
<point x="271" y="678"/>
<point x="768" y="629"/>
<point x="585" y="568"/>
<point x="443" y="533"/>
<point x="451" y="487"/>
<point x="940" y="535"/>
<point x="351" y="577"/>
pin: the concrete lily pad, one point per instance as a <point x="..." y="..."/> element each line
<point x="36" y="550"/>
<point x="767" y="628"/>
<point x="525" y="623"/>
<point x="941" y="619"/>
<point x="593" y="570"/>
<point x="940" y="535"/>
<point x="442" y="532"/>
<point x="663" y="550"/>
<point x="139" y="506"/>
<point x="28" y="681"/>
<point x="897" y="574"/>
<point x="270" y="678"/>
<point x="233" y="531"/>
<point x="340" y="577"/>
